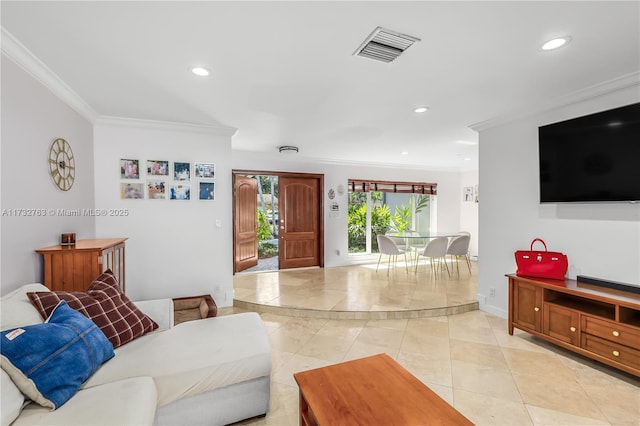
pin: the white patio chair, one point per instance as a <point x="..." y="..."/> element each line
<point x="436" y="250"/>
<point x="388" y="247"/>
<point x="459" y="247"/>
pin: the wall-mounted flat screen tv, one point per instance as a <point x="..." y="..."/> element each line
<point x="595" y="158"/>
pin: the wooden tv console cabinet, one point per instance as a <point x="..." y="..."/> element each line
<point x="597" y="322"/>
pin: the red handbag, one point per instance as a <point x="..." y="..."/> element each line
<point x="541" y="264"/>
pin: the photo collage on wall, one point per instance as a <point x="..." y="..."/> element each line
<point x="163" y="179"/>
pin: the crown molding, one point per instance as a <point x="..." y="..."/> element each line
<point x="314" y="161"/>
<point x="386" y="165"/>
<point x="18" y="53"/>
<point x="220" y="129"/>
<point x="623" y="82"/>
<point x="23" y="57"/>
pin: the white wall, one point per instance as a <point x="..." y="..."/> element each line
<point x="600" y="240"/>
<point x="175" y="248"/>
<point x="32" y="117"/>
<point x="469" y="211"/>
<point x="449" y="197"/>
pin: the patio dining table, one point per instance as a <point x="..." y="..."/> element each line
<point x="410" y="235"/>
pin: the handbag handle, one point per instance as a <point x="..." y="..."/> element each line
<point x="538" y="239"/>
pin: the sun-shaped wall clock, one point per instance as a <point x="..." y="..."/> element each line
<point x="62" y="164"/>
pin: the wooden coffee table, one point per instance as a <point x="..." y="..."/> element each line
<point x="370" y="391"/>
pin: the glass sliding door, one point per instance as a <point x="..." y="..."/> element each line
<point x="377" y="212"/>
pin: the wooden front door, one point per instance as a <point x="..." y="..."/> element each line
<point x="300" y="224"/>
<point x="245" y="248"/>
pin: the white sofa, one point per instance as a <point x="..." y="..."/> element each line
<point x="213" y="371"/>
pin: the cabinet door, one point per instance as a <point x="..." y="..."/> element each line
<point x="70" y="270"/>
<point x="62" y="277"/>
<point x="561" y="323"/>
<point x="527" y="306"/>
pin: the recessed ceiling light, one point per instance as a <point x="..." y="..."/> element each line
<point x="556" y="43"/>
<point x="467" y="142"/>
<point x="421" y="109"/>
<point x="404" y="153"/>
<point x="200" y="71"/>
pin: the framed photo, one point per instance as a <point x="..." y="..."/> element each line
<point x="131" y="191"/>
<point x="156" y="190"/>
<point x="207" y="190"/>
<point x="129" y="169"/>
<point x="180" y="192"/>
<point x="157" y="168"/>
<point x="182" y="171"/>
<point x="204" y="170"/>
<point x="467" y="194"/>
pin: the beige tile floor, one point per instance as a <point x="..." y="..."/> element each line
<point x="467" y="358"/>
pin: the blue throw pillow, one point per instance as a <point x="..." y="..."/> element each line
<point x="49" y="362"/>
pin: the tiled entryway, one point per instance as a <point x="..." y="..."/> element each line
<point x="359" y="292"/>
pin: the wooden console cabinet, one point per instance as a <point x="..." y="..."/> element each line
<point x="73" y="268"/>
<point x="597" y="322"/>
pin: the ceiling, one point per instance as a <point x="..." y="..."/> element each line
<point x="283" y="73"/>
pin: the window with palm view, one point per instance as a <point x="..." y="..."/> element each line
<point x="394" y="207"/>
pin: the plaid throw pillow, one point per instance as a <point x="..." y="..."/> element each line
<point x="118" y="318"/>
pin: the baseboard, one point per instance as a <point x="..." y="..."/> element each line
<point x="491" y="309"/>
<point x="608" y="284"/>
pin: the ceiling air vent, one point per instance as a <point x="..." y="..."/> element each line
<point x="385" y="45"/>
